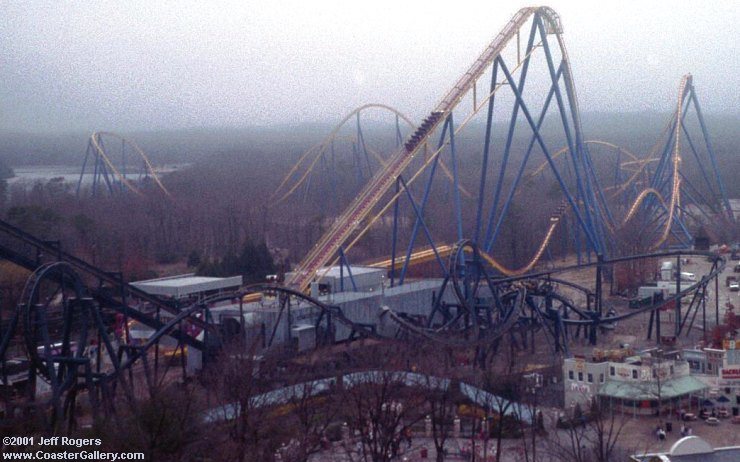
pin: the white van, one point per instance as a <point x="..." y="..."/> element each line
<point x="688" y="276"/>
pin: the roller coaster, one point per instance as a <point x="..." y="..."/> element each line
<point x="659" y="204"/>
<point x="110" y="157"/>
<point x="339" y="150"/>
<point x="480" y="302"/>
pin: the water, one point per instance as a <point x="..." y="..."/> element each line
<point x="29" y="175"/>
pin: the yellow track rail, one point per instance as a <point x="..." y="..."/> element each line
<point x="97" y="146"/>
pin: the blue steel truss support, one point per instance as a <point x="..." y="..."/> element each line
<point x="453" y="156"/>
<point x="491" y="239"/>
<point x="577" y="148"/>
<point x="399" y="137"/>
<point x="424" y="200"/>
<point x="712" y="157"/>
<point x="95" y="176"/>
<point x="427" y="233"/>
<point x="663" y="212"/>
<point x="394" y="237"/>
<point x="82" y="172"/>
<point x="659" y="179"/>
<point x="486" y="152"/>
<point x="700" y="164"/>
<point x="663" y="156"/>
<point x="361" y="144"/>
<point x="357" y="161"/>
<point x="666" y="154"/>
<point x="686" y="182"/>
<point x="512" y="124"/>
<point x="104" y="170"/>
<point x="572" y="202"/>
<point x="343" y="262"/>
<point x="600" y="199"/>
<point x="332" y="177"/>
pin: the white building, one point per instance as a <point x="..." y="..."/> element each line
<point x="636" y="384"/>
<point x="187" y="286"/>
<point x="691" y="449"/>
<point x="719" y="369"/>
<point x="337" y="279"/>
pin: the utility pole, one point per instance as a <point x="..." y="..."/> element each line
<point x="534" y="383"/>
<point x="678" y="300"/>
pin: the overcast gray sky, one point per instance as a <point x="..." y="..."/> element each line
<point x="125" y="65"/>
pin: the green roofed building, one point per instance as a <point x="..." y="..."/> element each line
<point x="639" y="384"/>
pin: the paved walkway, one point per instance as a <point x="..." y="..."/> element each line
<point x="456" y="451"/>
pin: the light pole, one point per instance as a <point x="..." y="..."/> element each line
<point x="534" y="383"/>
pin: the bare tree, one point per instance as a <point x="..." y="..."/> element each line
<point x="436" y="374"/>
<point x="595" y="437"/>
<point x="381" y="407"/>
<point x="312" y="407"/>
<point x="243" y="405"/>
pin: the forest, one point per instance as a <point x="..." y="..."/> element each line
<point x="222" y="216"/>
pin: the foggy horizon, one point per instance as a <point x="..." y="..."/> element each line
<point x="136" y="66"/>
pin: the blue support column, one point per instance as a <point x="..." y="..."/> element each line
<point x="712" y="157"/>
<point x="458" y="203"/>
<point x="486" y="151"/>
<point x="394" y="238"/>
<point x="424" y="200"/>
<point x="342" y="263"/>
<point x="512" y="125"/>
<point x="363" y="146"/>
<point x="584" y="192"/>
<point x="427" y="233"/>
<point x="491" y="238"/>
<point x="399" y="137"/>
<point x="587" y="230"/>
<point x="82" y="172"/>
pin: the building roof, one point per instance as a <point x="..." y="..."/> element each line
<point x="692" y="449"/>
<point x="334" y="271"/>
<point x="186" y="284"/>
<point x="649" y="389"/>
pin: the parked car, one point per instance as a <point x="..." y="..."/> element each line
<point x="736" y="419"/>
<point x="689" y="416"/>
<point x="712" y="421"/>
<point x="723" y="413"/>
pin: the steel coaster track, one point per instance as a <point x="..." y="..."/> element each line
<point x="319" y="150"/>
<point x="98" y="150"/>
<point x="565" y="149"/>
<point x="439" y="336"/>
<point x="105" y="297"/>
<point x="676" y="188"/>
<point x="590" y="318"/>
<point x="673" y="203"/>
<point x="384" y="179"/>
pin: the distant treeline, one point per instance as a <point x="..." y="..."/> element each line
<point x="222" y="219"/>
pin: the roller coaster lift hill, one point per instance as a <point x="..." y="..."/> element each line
<point x="68" y="302"/>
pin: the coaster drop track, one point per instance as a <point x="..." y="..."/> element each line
<point x="117" y="165"/>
